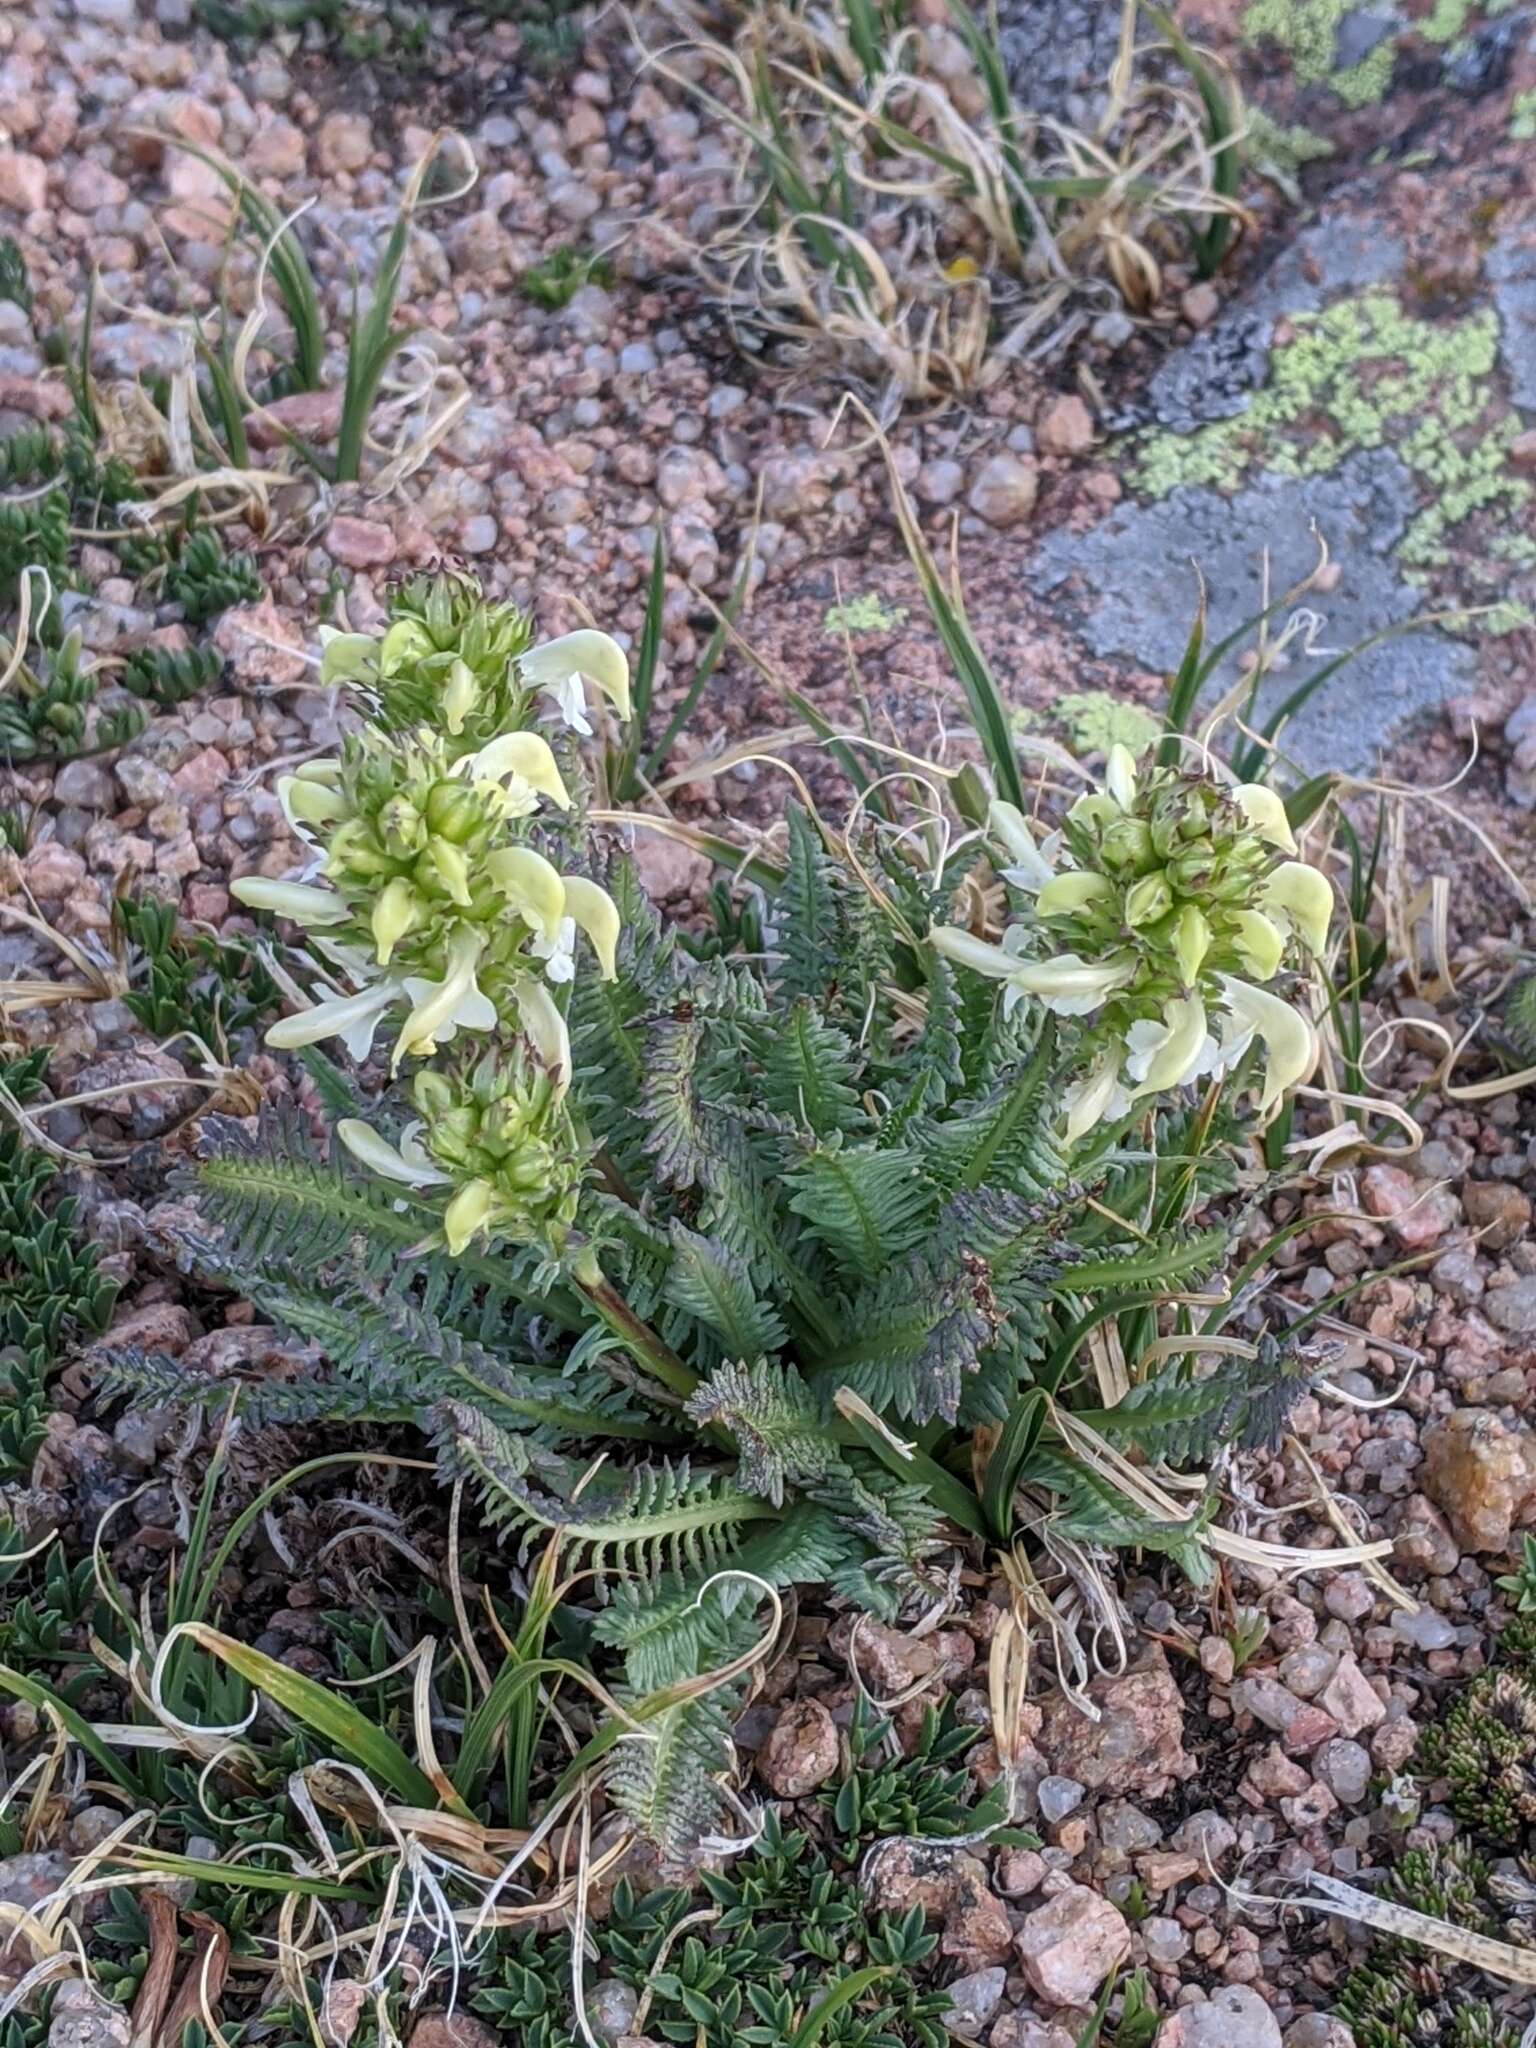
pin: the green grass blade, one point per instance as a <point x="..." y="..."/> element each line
<point x="708" y="662"/>
<point x="75" y="1725"/>
<point x="623" y="780"/>
<point x="989" y="714"/>
<point x="1184" y="691"/>
<point x="951" y="1496"/>
<point x="325" y="1713"/>
<point x="826" y="2008"/>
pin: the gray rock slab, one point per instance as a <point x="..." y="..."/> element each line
<point x="1129" y="587"/>
<point x="1511" y="269"/>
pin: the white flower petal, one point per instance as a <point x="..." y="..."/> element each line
<point x="1182" y="1051"/>
<point x="380" y="1157"/>
<point x="1069" y="985"/>
<point x="353" y="1019"/>
<point x="1089" y="1101"/>
<point x="298" y="901"/>
<point x="440" y="1008"/>
<point x="558" y="952"/>
<point x="585" y="653"/>
<point x="1289" y="1039"/>
<point x="966" y="950"/>
<point x="1007" y="823"/>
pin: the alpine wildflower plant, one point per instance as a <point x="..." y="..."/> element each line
<point x="724" y="1261"/>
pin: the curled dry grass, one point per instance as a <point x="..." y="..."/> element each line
<point x="896" y="211"/>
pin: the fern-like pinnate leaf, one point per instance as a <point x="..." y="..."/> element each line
<point x="1176" y="1419"/>
<point x="710" y="1283"/>
<point x="810" y="1070"/>
<point x="667" y="1778"/>
<point x="650" y="1519"/>
<point x="1520" y="1017"/>
<point x="771" y="1413"/>
<point x="806" y="919"/>
<point x="674" y="1627"/>
<point x="865" y="1205"/>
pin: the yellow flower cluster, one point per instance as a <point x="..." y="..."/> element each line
<point x="1157" y="912"/>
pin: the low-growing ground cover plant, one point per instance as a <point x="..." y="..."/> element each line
<point x="874" y="1223"/>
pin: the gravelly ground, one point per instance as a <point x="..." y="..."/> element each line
<point x="589" y="429"/>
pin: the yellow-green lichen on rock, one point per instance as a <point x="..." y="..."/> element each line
<point x="867" y="614"/>
<point x="1363" y="373"/>
<point x="1097" y="721"/>
<point x="1308" y="30"/>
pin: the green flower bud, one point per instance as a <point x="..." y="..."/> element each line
<point x="400" y="826"/>
<point x="1127" y="843"/>
<point x="453" y="810"/>
<point x="1193" y="870"/>
<point x="1147" y="900"/>
<point x="432" y="1093"/>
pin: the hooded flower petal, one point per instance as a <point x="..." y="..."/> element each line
<point x="1305" y="896"/>
<point x="1097" y="1096"/>
<point x="300" y="901"/>
<point x="309" y="800"/>
<point x="405" y="641"/>
<point x="966" y="950"/>
<point x="544" y="1027"/>
<point x="1077" y="889"/>
<point x="394" y="914"/>
<point x="468" y="1214"/>
<point x="1260" y="944"/>
<point x="346" y="657"/>
<point x="1007" y="824"/>
<point x="380" y="1157"/>
<point x="531" y="884"/>
<point x="439" y="1008"/>
<point x="1120" y="775"/>
<point x="1288" y="1036"/>
<point x="461" y="693"/>
<point x="1266" y="814"/>
<point x="523" y="754"/>
<point x="587" y="653"/>
<point x="1179" y="1054"/>
<point x="1069" y="985"/>
<point x="352" y="1019"/>
<point x="598" y="916"/>
<point x="1191" y="941"/>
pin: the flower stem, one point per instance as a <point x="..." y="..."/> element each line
<point x="637" y="1337"/>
